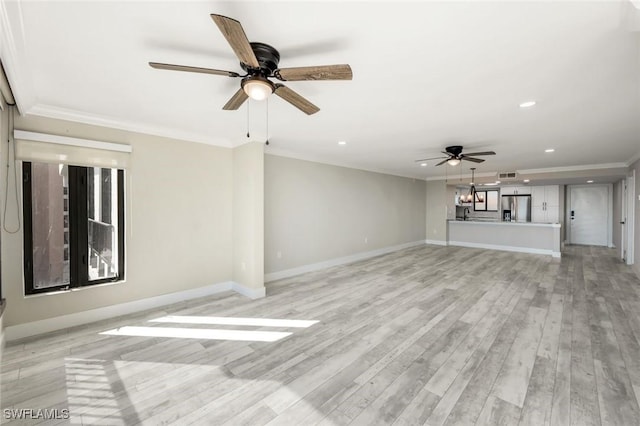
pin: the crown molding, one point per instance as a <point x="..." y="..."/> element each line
<point x="13" y="57"/>
<point x="464" y="176"/>
<point x="574" y="168"/>
<point x="48" y="111"/>
<point x="633" y="159"/>
<point x="279" y="152"/>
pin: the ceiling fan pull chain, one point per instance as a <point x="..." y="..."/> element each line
<point x="248" y="107"/>
<point x="267" y="135"/>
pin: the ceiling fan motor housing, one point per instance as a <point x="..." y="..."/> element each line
<point x="268" y="58"/>
<point x="454" y="150"/>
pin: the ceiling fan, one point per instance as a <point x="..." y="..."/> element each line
<point x="454" y="155"/>
<point x="260" y="62"/>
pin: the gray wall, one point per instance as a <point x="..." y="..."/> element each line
<point x="317" y="212"/>
<point x="248" y="215"/>
<point x="440" y="203"/>
<point x="178" y="224"/>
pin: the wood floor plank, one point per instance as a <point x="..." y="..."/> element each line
<point x="538" y="402"/>
<point x="500" y="313"/>
<point x="404" y="338"/>
<point x="513" y="380"/>
<point x="497" y="412"/>
<point x="584" y="394"/>
<point x="615" y="393"/>
<point x="473" y="398"/>
<point x="560" y="406"/>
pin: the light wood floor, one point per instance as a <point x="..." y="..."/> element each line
<point x="430" y="335"/>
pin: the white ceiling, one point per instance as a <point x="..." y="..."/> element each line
<point x="426" y="75"/>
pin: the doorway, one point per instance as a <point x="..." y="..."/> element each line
<point x="589" y="215"/>
<point x="623" y="221"/>
<point x="630" y="201"/>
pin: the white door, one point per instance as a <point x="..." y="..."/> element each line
<point x="589" y="215"/>
<point x="630" y="217"/>
<point x="623" y="220"/>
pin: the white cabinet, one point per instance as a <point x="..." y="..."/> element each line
<point x="545" y="204"/>
<point x="515" y="190"/>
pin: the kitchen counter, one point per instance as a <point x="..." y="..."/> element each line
<point x="527" y="237"/>
<point x="500" y="222"/>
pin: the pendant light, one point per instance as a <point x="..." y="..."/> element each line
<point x="473" y="194"/>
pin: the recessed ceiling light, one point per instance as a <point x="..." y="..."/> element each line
<point x="497" y="182"/>
<point x="342" y="142"/>
<point x="526" y="181"/>
<point x="423" y="164"/>
<point x="589" y="181"/>
<point x="549" y="150"/>
<point x="527" y="104"/>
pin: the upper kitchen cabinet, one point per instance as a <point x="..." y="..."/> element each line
<point x="545" y="204"/>
<point x="515" y="190"/>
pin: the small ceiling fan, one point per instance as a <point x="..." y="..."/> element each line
<point x="454" y="155"/>
<point x="260" y="62"/>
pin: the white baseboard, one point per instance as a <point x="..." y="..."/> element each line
<point x="34" y="328"/>
<point x="273" y="276"/>
<point x="437" y="242"/>
<point x="251" y="293"/>
<point x="506" y="248"/>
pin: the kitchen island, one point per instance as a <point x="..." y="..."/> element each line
<point x="527" y="237"/>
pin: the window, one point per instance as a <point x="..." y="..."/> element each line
<point x="73" y="226"/>
<point x="489" y="201"/>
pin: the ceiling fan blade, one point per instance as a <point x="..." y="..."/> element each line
<point x="321" y="72"/>
<point x="442" y="162"/>
<point x="475" y="160"/>
<point x="479" y="153"/>
<point x="237" y="39"/>
<point x="427" y="159"/>
<point x="173" y="67"/>
<point x="296" y="100"/>
<point x="236" y="100"/>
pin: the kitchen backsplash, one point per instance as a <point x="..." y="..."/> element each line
<point x="473" y="214"/>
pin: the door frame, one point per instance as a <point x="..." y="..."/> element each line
<point x="630" y="221"/>
<point x="609" y="187"/>
<point x="623" y="220"/>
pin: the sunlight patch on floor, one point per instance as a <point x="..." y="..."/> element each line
<point x="199" y="333"/>
<point x="89" y="394"/>
<point x="258" y="322"/>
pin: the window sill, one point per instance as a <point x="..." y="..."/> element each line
<point x="72" y="290"/>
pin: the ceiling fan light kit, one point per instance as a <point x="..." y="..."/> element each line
<point x="257" y="88"/>
<point x="260" y="62"/>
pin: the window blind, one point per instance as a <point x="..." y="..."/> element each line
<point x="45" y="148"/>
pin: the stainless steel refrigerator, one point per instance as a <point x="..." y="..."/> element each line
<point x="516" y="208"/>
